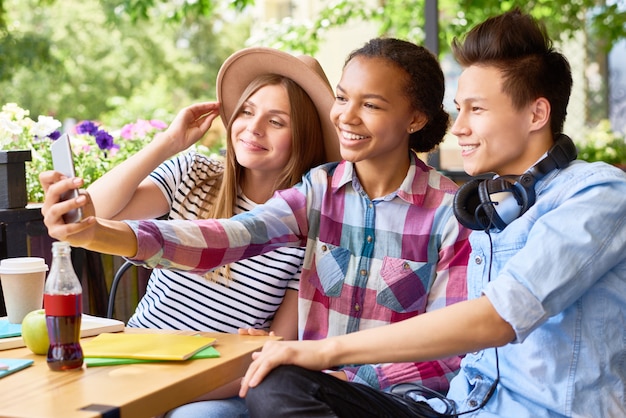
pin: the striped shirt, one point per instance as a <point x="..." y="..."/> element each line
<point x="368" y="262"/>
<point x="182" y="300"/>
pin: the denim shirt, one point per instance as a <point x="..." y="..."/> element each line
<point x="557" y="275"/>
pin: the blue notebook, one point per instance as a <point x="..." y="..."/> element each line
<point x="9" y="330"/>
<point x="14" y="364"/>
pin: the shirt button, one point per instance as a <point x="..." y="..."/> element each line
<point x="357" y="307"/>
<point x="478" y="259"/>
<point x="406" y="266"/>
<point x="363" y="272"/>
<point x="324" y="248"/>
<point x="369" y="238"/>
<point x="473" y="403"/>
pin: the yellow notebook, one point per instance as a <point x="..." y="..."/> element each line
<point x="157" y="346"/>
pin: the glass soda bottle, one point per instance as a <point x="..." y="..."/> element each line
<point x="63" y="304"/>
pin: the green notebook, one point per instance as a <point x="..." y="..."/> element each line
<point x="209" y="352"/>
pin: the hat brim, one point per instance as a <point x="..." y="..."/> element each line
<point x="241" y="68"/>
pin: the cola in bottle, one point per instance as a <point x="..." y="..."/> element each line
<point x="62" y="301"/>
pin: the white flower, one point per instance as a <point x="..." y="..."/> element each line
<point x="14" y="112"/>
<point x="44" y="126"/>
<point x="10" y="126"/>
<point x="8" y="130"/>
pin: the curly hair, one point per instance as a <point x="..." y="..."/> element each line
<point x="425" y="85"/>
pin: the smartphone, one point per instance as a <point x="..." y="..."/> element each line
<point x="63" y="162"/>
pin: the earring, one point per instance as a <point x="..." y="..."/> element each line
<point x="411" y="130"/>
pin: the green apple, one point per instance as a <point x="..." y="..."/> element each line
<point x="35" y="332"/>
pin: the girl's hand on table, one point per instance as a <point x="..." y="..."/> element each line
<point x="256" y="332"/>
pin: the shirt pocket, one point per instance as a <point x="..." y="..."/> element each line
<point x="404" y="285"/>
<point x="331" y="265"/>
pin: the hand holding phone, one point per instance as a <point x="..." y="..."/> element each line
<point x="63" y="162"/>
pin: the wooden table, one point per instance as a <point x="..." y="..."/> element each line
<point x="132" y="390"/>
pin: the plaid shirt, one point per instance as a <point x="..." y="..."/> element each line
<point x="367" y="263"/>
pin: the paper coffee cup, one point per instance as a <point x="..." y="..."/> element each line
<point x="23" y="280"/>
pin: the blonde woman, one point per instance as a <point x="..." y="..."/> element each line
<point x="276" y="109"/>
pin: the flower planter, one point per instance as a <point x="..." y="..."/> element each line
<point x="13" y="178"/>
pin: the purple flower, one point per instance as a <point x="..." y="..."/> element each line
<point x="104" y="140"/>
<point x="54" y="135"/>
<point x="87" y="127"/>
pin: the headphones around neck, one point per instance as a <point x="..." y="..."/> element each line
<point x="494" y="203"/>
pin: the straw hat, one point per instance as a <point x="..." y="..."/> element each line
<point x="245" y="65"/>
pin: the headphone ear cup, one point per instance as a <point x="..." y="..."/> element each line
<point x="466" y="201"/>
<point x="504" y="201"/>
<point x="489" y="207"/>
<point x="526" y="191"/>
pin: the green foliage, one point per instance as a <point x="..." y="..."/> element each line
<point x="22" y="50"/>
<point x="599" y="19"/>
<point x="79" y="60"/>
<point x="396" y="18"/>
<point x="96" y="68"/>
<point x="602" y="143"/>
<point x="138" y="10"/>
<point x="609" y="22"/>
<point x="405" y="19"/>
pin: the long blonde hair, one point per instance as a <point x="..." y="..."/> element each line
<point x="307" y="149"/>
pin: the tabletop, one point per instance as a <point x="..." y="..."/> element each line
<point x="131" y="390"/>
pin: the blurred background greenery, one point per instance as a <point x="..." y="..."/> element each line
<point x="116" y="61"/>
<point x="105" y="60"/>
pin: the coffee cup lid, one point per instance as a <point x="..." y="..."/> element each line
<point x="22" y="265"/>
